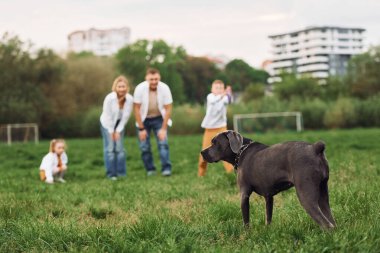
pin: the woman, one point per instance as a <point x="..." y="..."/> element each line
<point x="117" y="108"/>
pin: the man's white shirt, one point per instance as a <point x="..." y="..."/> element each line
<point x="141" y="96"/>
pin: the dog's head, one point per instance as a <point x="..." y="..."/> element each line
<point x="224" y="147"/>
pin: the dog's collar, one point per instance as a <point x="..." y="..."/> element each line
<point x="238" y="155"/>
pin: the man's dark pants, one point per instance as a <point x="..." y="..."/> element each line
<point x="154" y="124"/>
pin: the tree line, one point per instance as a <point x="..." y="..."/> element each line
<point x="64" y="95"/>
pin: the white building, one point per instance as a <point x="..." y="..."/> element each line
<point x="100" y="42"/>
<point x="319" y="51"/>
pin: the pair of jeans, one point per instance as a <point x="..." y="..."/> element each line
<point x="154" y="124"/>
<point x="114" y="154"/>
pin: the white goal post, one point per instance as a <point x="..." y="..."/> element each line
<point x="297" y="115"/>
<point x="22" y="132"/>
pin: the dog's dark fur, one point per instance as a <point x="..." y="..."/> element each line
<point x="268" y="170"/>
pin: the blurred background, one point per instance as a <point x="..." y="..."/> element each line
<point x="58" y="60"/>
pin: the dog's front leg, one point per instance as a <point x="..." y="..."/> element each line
<point x="245" y="206"/>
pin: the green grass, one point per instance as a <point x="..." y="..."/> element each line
<point x="183" y="213"/>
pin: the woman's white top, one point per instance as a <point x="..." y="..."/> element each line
<point x="216" y="112"/>
<point x="50" y="164"/>
<point x="111" y="112"/>
<point x="141" y="96"/>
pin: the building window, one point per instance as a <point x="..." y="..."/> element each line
<point x="343" y="31"/>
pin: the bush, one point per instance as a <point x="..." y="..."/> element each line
<point x="368" y="112"/>
<point x="313" y="113"/>
<point x="253" y="91"/>
<point x="187" y="119"/>
<point x="291" y="87"/>
<point x="63" y="128"/>
<point x="341" y="114"/>
<point x="90" y="124"/>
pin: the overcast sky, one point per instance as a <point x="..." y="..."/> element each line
<point x="236" y="29"/>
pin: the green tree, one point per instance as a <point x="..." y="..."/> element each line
<point x="25" y="80"/>
<point x="82" y="54"/>
<point x="335" y="87"/>
<point x="85" y="82"/>
<point x="290" y="86"/>
<point x="363" y="73"/>
<point x="253" y="91"/>
<point x="134" y="59"/>
<point x="198" y="73"/>
<point x="240" y="74"/>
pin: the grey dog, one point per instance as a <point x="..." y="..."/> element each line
<point x="268" y="170"/>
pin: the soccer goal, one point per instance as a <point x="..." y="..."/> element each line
<point x="270" y="121"/>
<point x="10" y="133"/>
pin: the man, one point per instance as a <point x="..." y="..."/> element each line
<point x="153" y="106"/>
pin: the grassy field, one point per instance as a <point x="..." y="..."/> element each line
<point x="183" y="213"/>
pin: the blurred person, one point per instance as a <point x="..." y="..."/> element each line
<point x="54" y="163"/>
<point x="215" y="120"/>
<point x="153" y="106"/>
<point x="117" y="108"/>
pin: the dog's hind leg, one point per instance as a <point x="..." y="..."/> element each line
<point x="308" y="194"/>
<point x="324" y="201"/>
<point x="245" y="194"/>
<point x="268" y="209"/>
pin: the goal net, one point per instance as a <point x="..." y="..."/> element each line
<point x="271" y="121"/>
<point x="10" y="133"/>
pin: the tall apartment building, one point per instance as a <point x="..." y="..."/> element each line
<point x="319" y="51"/>
<point x="100" y="42"/>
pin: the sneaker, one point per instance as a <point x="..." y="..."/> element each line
<point x="113" y="178"/>
<point x="61" y="180"/>
<point x="166" y="173"/>
<point x="151" y="173"/>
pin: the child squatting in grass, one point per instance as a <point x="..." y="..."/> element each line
<point x="54" y="163"/>
<point x="215" y="120"/>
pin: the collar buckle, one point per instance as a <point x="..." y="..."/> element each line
<point x="238" y="155"/>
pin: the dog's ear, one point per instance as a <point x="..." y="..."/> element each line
<point x="236" y="141"/>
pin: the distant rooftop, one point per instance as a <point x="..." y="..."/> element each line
<point x="309" y="28"/>
<point x="98" y="30"/>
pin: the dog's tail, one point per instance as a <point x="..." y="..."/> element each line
<point x="319" y="147"/>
